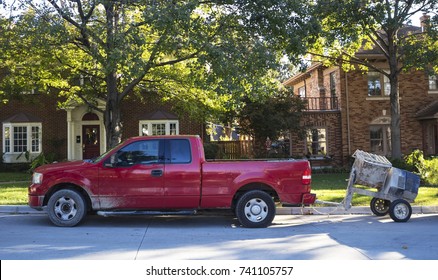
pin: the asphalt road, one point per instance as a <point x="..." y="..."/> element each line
<point x="220" y="237"/>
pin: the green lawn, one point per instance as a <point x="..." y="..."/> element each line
<point x="332" y="187"/>
<point x="328" y="187"/>
<point x="13" y="188"/>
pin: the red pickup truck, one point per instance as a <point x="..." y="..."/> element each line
<point x="168" y="175"/>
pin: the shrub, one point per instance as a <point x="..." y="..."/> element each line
<point x="41" y="159"/>
<point x="430" y="171"/>
<point x="427" y="168"/>
<point x="211" y="150"/>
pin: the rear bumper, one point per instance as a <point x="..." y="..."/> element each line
<point x="298" y="199"/>
<point x="308" y="198"/>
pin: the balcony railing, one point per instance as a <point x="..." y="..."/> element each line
<point x="321" y="103"/>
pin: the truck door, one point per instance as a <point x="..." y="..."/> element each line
<point x="135" y="177"/>
<point x="182" y="176"/>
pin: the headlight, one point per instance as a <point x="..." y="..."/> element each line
<point x="37" y="178"/>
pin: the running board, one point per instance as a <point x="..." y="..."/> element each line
<point x="145" y="213"/>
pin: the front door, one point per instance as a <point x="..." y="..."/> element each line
<point x="90" y="141"/>
<point x="135" y="178"/>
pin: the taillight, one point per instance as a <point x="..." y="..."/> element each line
<point x="307" y="176"/>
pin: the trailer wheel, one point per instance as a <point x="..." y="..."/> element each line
<point x="66" y="208"/>
<point x="255" y="209"/>
<point x="379" y="207"/>
<point x="400" y="210"/>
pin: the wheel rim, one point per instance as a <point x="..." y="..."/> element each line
<point x="381" y="206"/>
<point x="65" y="208"/>
<point x="401" y="211"/>
<point x="256" y="210"/>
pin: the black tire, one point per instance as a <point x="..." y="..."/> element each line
<point x="379" y="207"/>
<point x="255" y="209"/>
<point x="66" y="208"/>
<point x="400" y="211"/>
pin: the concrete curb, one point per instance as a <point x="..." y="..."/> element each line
<point x="24" y="209"/>
<point x="18" y="209"/>
<point x="341" y="211"/>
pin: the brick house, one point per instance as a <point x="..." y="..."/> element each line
<point x="33" y="123"/>
<point x="351" y="110"/>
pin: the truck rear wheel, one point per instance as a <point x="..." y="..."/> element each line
<point x="255" y="209"/>
<point x="66" y="208"/>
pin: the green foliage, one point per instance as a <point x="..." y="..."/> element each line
<point x="40" y="160"/>
<point x="415" y="160"/>
<point x="270" y="116"/>
<point x="204" y="56"/>
<point x="211" y="150"/>
<point x="427" y="168"/>
<point x="430" y="171"/>
<point x="349" y="27"/>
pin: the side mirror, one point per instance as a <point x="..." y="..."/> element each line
<point x="112" y="162"/>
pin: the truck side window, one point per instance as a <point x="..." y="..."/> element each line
<point x="141" y="152"/>
<point x="180" y="151"/>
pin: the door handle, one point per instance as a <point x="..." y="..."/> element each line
<point x="157" y="173"/>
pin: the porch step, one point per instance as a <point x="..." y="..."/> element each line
<point x="145" y="213"/>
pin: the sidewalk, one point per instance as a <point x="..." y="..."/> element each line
<point x="24" y="209"/>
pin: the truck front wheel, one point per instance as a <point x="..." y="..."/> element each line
<point x="255" y="209"/>
<point x="66" y="208"/>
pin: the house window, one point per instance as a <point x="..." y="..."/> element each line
<point x="149" y="128"/>
<point x="302" y="92"/>
<point x="333" y="84"/>
<point x="158" y="129"/>
<point x="22" y="137"/>
<point x="316" y="142"/>
<point x="433" y="82"/>
<point x="378" y="84"/>
<point x="380" y="139"/>
<point x="333" y="101"/>
<point x="7" y="139"/>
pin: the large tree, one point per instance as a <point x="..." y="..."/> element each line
<point x="351" y="25"/>
<point x="267" y="119"/>
<point x="202" y="54"/>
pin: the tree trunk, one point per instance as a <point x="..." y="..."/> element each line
<point x="395" y="120"/>
<point x="112" y="116"/>
<point x="394" y="98"/>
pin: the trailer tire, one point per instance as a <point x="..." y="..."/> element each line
<point x="379" y="206"/>
<point x="255" y="209"/>
<point x="400" y="210"/>
<point x="66" y="208"/>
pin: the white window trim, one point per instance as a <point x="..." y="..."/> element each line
<point x="29" y="139"/>
<point x="149" y="124"/>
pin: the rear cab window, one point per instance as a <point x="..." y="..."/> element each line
<point x="178" y="151"/>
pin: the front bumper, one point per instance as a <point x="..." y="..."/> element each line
<point x="36" y="201"/>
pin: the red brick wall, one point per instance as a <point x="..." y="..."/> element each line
<point x="133" y="109"/>
<point x="348" y="129"/>
<point x="331" y="121"/>
<point x="413" y="89"/>
<point x="54" y="121"/>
